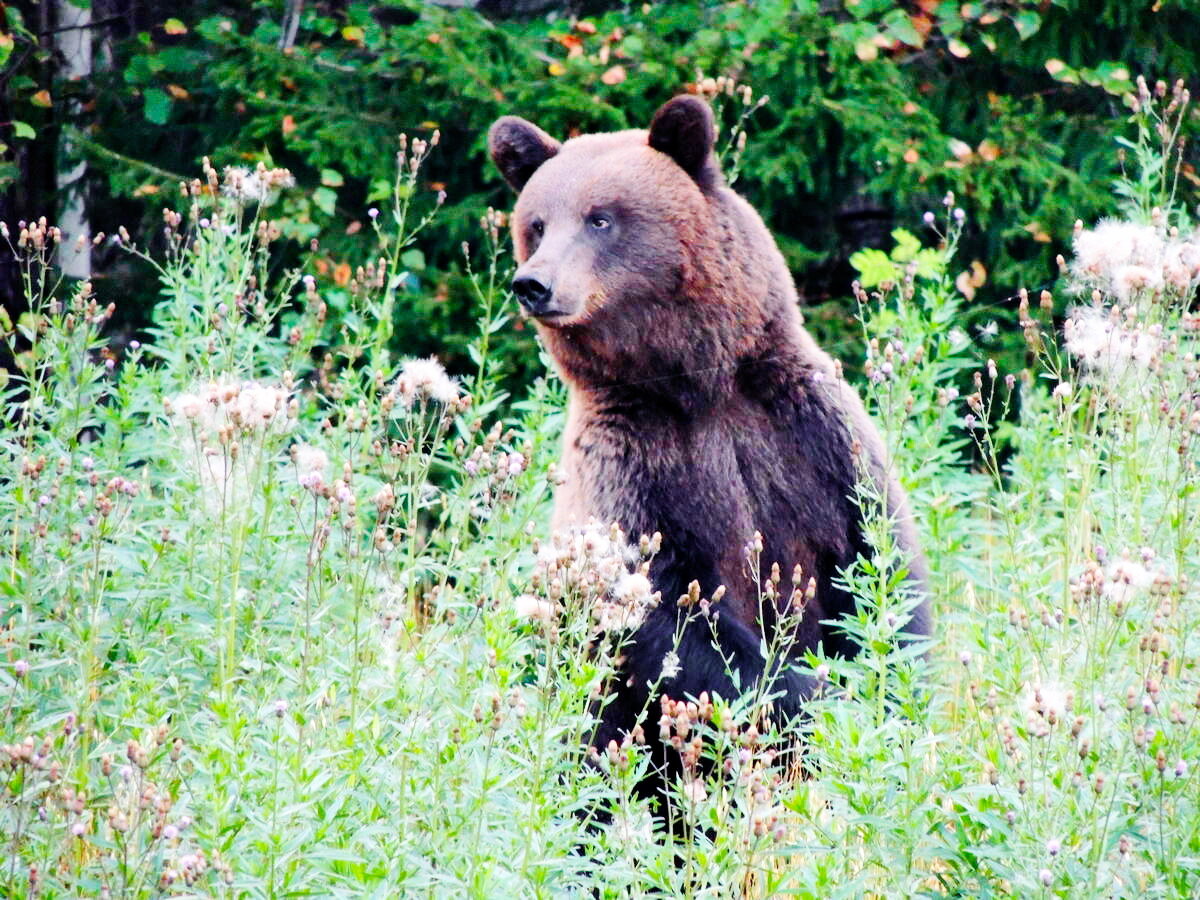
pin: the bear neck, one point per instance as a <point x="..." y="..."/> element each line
<point x="682" y="384"/>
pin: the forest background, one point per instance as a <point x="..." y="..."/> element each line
<point x="876" y="109"/>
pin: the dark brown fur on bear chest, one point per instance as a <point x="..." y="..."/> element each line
<point x="708" y="482"/>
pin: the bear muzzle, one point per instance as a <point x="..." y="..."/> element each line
<point x="536" y="297"/>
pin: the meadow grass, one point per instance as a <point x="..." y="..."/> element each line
<point x="281" y="614"/>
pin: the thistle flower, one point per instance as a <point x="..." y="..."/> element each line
<point x="1102" y="345"/>
<point x="260" y="186"/>
<point x="1045" y="703"/>
<point x="1126" y="260"/>
<point x="532" y="609"/>
<point x="427" y="379"/>
<point x="311" y="466"/>
<point x="1124" y="579"/>
<point x="670" y="664"/>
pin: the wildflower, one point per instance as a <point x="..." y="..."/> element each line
<point x="1124" y="578"/>
<point x="532" y="609"/>
<point x="1053" y="846"/>
<point x="515" y="464"/>
<point x="1045" y="703"/>
<point x="633" y="588"/>
<point x="693" y="790"/>
<point x="260" y="186"/>
<point x="373" y="213"/>
<point x="633" y="827"/>
<point x="189" y="405"/>
<point x="21" y="668"/>
<point x="1046" y="877"/>
<point x="279" y="708"/>
<point x="1062" y="391"/>
<point x="311" y="465"/>
<point x="1111" y="245"/>
<point x="670" y="664"/>
<point x="425" y="378"/>
<point x="1103" y="346"/>
<point x="259" y="405"/>
<point x="1127" y="260"/>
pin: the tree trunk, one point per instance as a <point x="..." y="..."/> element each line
<point x="73" y="42"/>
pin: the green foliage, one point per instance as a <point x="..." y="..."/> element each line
<point x="1009" y="107"/>
<point x="876" y="267"/>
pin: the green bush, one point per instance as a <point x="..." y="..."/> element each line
<point x="876" y="110"/>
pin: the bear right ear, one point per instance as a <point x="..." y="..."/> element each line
<point x="518" y="148"/>
<point x="683" y="129"/>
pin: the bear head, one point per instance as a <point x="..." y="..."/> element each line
<point x="612" y="233"/>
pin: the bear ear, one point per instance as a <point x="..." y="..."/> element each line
<point x="518" y="148"/>
<point x="683" y="129"/>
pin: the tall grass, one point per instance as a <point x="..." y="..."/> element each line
<point x="280" y="613"/>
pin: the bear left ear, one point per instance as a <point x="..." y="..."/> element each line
<point x="518" y="148"/>
<point x="683" y="129"/>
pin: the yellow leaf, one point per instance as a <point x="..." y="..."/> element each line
<point x="288" y="125"/>
<point x="978" y="274"/>
<point x="959" y="49"/>
<point x="1038" y="233"/>
<point x="866" y="50"/>
<point x="963" y="283"/>
<point x="911" y="155"/>
<point x="556" y="68"/>
<point x="41" y="98"/>
<point x="174" y="26"/>
<point x="354" y="34"/>
<point x="615" y="75"/>
<point x="177" y="92"/>
<point x="989" y="152"/>
<point x="960" y="149"/>
<point x="1054" y="66"/>
<point x="146" y="190"/>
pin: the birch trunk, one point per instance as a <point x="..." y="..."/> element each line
<point x="73" y="41"/>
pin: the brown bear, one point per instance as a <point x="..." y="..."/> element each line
<point x="699" y="406"/>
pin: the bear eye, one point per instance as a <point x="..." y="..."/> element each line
<point x="537" y="227"/>
<point x="599" y="222"/>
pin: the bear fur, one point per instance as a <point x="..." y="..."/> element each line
<point x="699" y="406"/>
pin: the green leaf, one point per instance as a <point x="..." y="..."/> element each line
<point x="325" y="199"/>
<point x="874" y="267"/>
<point x="907" y="245"/>
<point x="157" y="106"/>
<point x="23" y="130"/>
<point x="900" y="26"/>
<point x="929" y="263"/>
<point x="413" y="260"/>
<point x="332" y="178"/>
<point x="1027" y="23"/>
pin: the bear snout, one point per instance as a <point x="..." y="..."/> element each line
<point x="534" y="295"/>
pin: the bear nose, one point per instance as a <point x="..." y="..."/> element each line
<point x="532" y="292"/>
